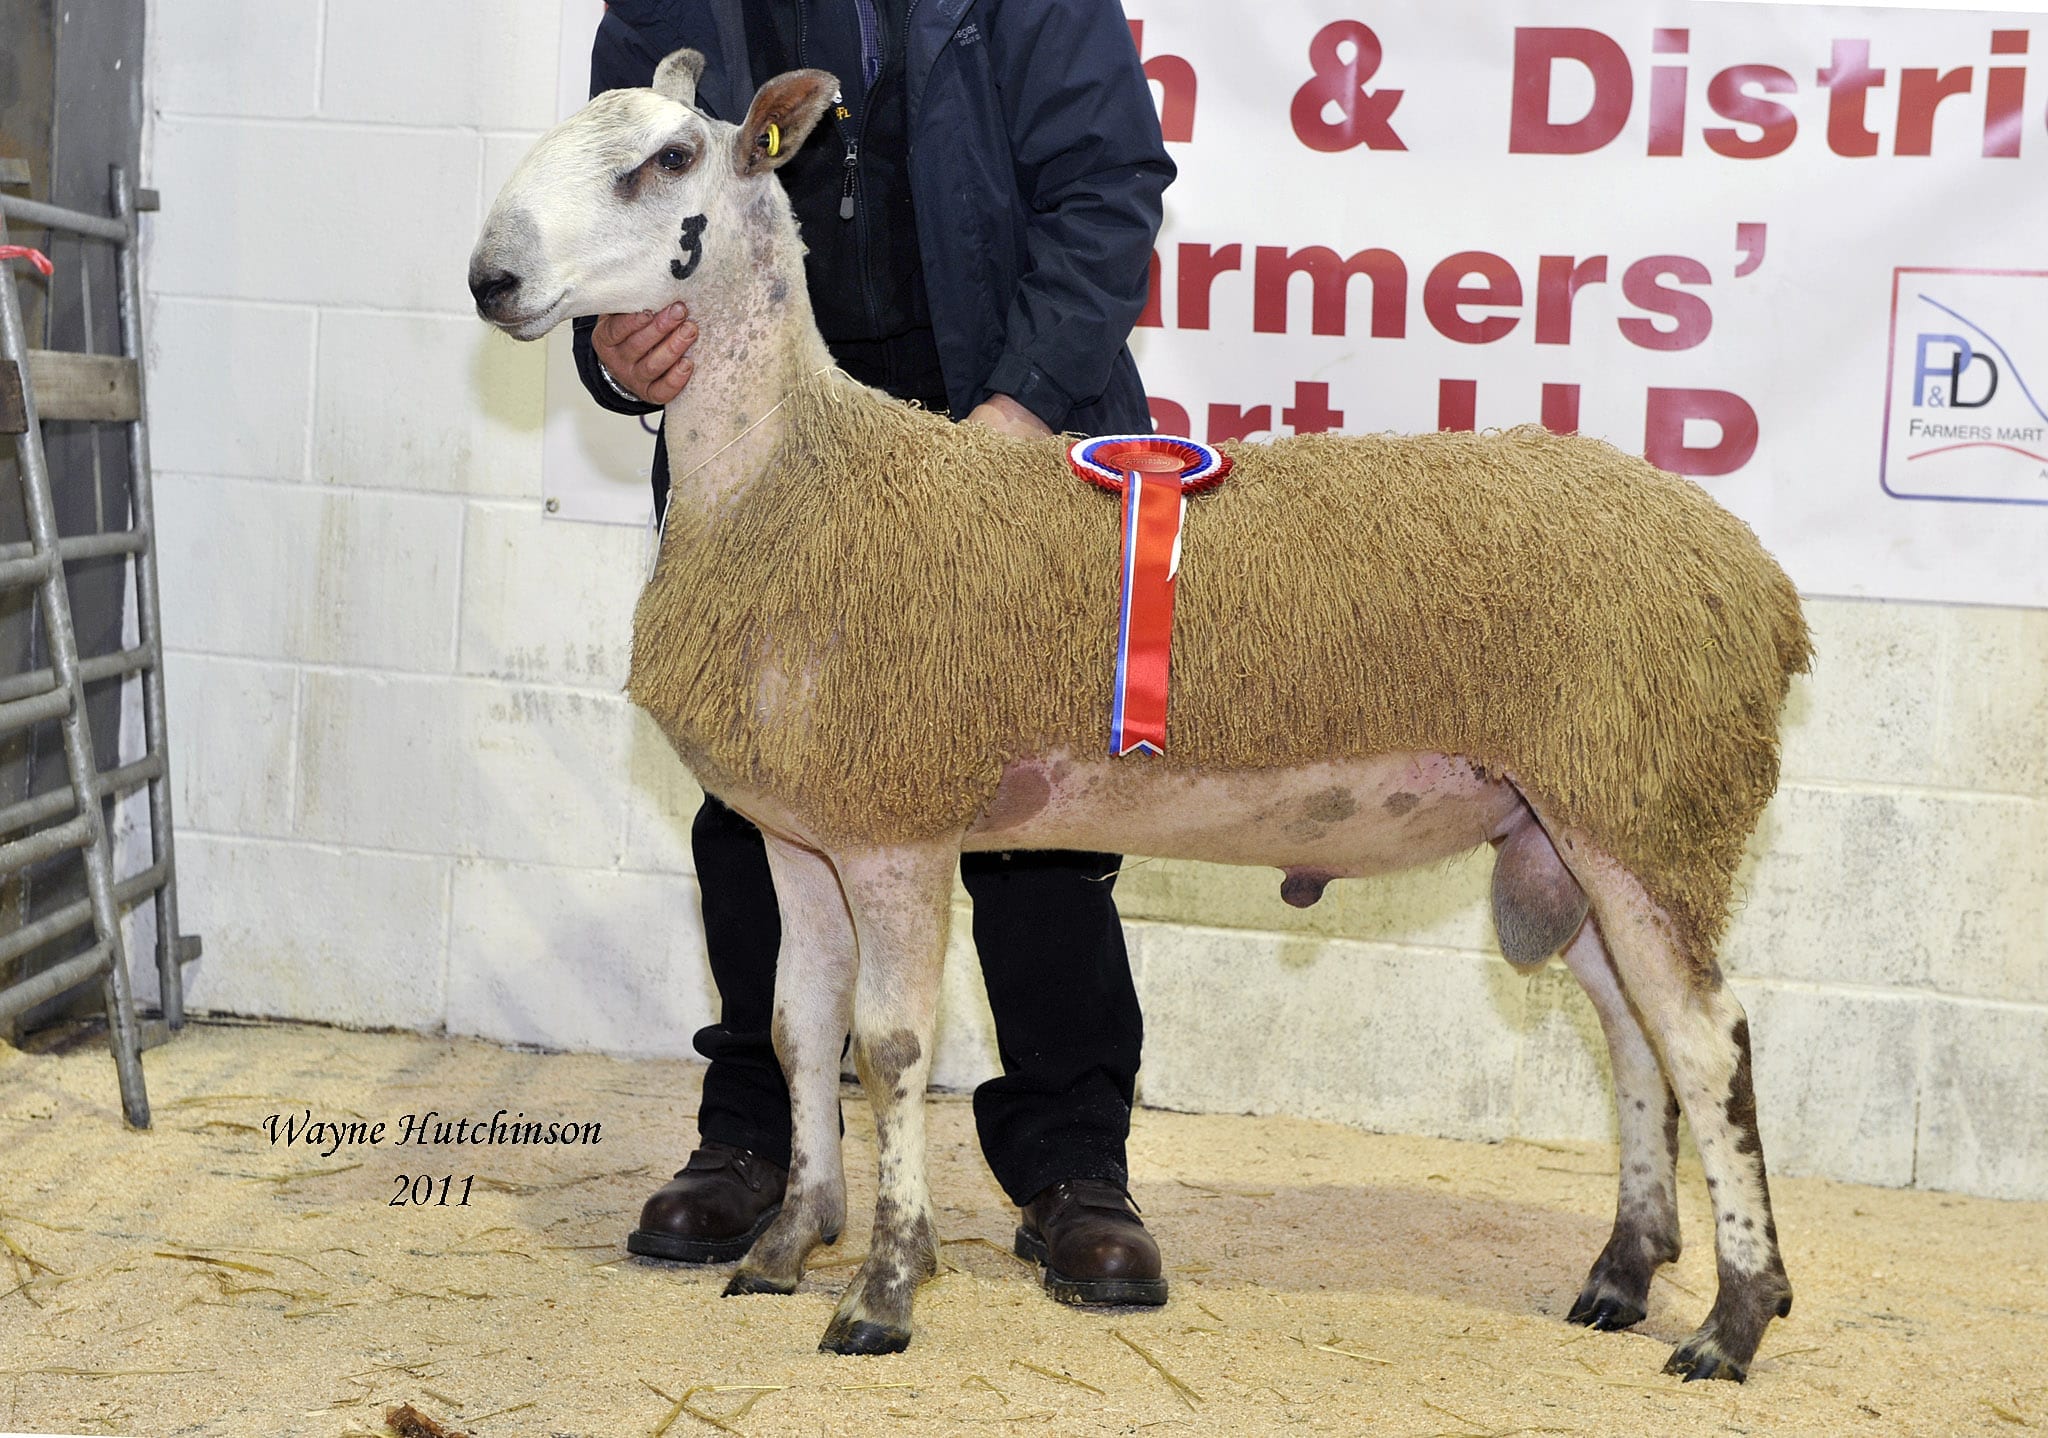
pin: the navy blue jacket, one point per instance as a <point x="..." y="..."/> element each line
<point x="1036" y="170"/>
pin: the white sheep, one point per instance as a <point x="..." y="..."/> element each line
<point x="886" y="639"/>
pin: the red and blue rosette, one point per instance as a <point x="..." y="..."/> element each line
<point x="1155" y="473"/>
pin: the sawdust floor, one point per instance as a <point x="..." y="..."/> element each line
<point x="197" y="1279"/>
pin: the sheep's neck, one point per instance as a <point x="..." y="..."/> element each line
<point x="726" y="425"/>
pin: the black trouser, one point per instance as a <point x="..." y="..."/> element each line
<point x="1059" y="983"/>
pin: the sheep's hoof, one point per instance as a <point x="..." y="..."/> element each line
<point x="1607" y="1312"/>
<point x="861" y="1336"/>
<point x="744" y="1282"/>
<point x="1616" y="1294"/>
<point x="1701" y="1356"/>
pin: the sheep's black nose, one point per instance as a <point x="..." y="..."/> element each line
<point x="492" y="288"/>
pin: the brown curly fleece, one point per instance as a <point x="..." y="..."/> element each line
<point x="901" y="605"/>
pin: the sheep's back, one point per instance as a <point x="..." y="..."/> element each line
<point x="939" y="599"/>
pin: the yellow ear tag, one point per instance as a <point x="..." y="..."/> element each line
<point x="774" y="139"/>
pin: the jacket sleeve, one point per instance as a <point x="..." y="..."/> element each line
<point x="620" y="58"/>
<point x="1090" y="166"/>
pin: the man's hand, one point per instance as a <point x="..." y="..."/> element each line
<point x="1001" y="412"/>
<point x="646" y="353"/>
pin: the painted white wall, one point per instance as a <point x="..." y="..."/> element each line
<point x="410" y="793"/>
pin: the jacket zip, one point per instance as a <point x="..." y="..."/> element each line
<point x="849" y="184"/>
<point x="846" y="198"/>
<point x="852" y="143"/>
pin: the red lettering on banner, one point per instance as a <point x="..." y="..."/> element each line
<point x="1457" y="286"/>
<point x="1364" y="115"/>
<point x="2005" y="90"/>
<point x="1153" y="316"/>
<point x="1175" y="78"/>
<point x="1849" y="81"/>
<point x="1665" y="418"/>
<point x="1664" y="431"/>
<point x="1199" y="266"/>
<point x="1751" y="240"/>
<point x="1229" y="421"/>
<point x="1457" y="404"/>
<point x="1692" y="318"/>
<point x="1330" y="288"/>
<point x="1447" y="292"/>
<point x="1667" y="95"/>
<point x="1531" y="131"/>
<point x="1728" y="96"/>
<point x="1558" y="278"/>
<point x="1920" y="95"/>
<point x="1168" y="417"/>
<point x="1311" y="413"/>
<point x="1561" y="408"/>
<point x="1758" y="127"/>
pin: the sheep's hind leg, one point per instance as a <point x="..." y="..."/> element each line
<point x="1701" y="1031"/>
<point x="899" y="899"/>
<point x="1616" y="1294"/>
<point x="813" y="998"/>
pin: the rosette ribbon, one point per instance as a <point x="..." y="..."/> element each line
<point x="1155" y="474"/>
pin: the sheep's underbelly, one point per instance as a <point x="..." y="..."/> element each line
<point x="1346" y="819"/>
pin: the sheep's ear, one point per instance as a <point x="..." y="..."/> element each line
<point x="677" y="76"/>
<point x="784" y="112"/>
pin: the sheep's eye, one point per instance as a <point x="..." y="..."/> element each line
<point x="673" y="160"/>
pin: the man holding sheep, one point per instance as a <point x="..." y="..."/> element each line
<point x="980" y="209"/>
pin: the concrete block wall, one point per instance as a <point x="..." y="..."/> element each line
<point x="411" y="795"/>
<point x="409" y="790"/>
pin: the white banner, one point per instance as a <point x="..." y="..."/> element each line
<point x="1795" y="252"/>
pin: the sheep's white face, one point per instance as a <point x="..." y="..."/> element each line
<point x="635" y="200"/>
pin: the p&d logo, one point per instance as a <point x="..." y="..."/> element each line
<point x="1964" y="415"/>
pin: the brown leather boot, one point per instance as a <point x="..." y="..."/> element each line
<point x="713" y="1209"/>
<point x="1087" y="1234"/>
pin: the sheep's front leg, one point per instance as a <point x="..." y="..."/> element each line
<point x="1617" y="1291"/>
<point x="899" y="899"/>
<point x="1703" y="1036"/>
<point x="813" y="999"/>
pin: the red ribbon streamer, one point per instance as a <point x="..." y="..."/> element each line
<point x="35" y="257"/>
<point x="1154" y="473"/>
<point x="1153" y="506"/>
